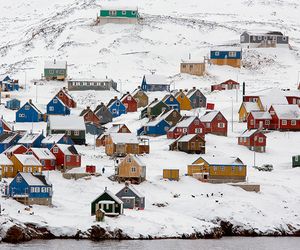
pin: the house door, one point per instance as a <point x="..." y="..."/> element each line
<point x="120" y="148"/>
<point x="261" y="123"/>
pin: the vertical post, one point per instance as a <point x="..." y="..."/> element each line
<point x="232" y="114"/>
<point x="25" y="79"/>
<point x="298" y="78"/>
<point x="254" y="156"/>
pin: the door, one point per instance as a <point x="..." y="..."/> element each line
<point x="261" y="123"/>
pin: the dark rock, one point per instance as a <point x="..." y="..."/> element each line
<point x="16" y="234"/>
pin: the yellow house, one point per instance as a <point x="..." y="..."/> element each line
<point x="6" y="166"/>
<point x="25" y="163"/>
<point x="246" y="108"/>
<point x="218" y="170"/>
<point x="184" y="101"/>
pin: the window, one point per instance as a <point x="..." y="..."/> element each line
<point x="217" y="53"/>
<point x="133" y="12"/>
<point x="232" y="54"/>
<point x="184" y="130"/>
<point x="260" y="140"/>
<point x="27" y="107"/>
<point x="184" y="66"/>
<point x="129" y="98"/>
<point x="198" y="130"/>
<point x="129" y="159"/>
<point x="253" y="38"/>
<point x="196" y="122"/>
<point x="219" y="117"/>
<point x="272" y="112"/>
<point x="55" y="150"/>
<point x="43" y="162"/>
<point x="284" y="122"/>
<point x="208" y="125"/>
<point x="114" y="111"/>
<point x="293" y="122"/>
<point x="222" y="168"/>
<point x="77" y="158"/>
<point x="133" y="169"/>
<point x="267" y="122"/>
<point x="112" y="12"/>
<point x="51" y="71"/>
<point x="191" y="67"/>
<point x="123" y="12"/>
<point x="51" y="108"/>
<point x="284" y="38"/>
<point x="21" y="115"/>
<point x="37" y="189"/>
<point x="68" y="158"/>
<point x="69" y="132"/>
<point x="242" y="39"/>
<point x="215" y="168"/>
<point x="259" y="38"/>
<point x="221" y="125"/>
<point x="118" y="103"/>
<point x="76" y="132"/>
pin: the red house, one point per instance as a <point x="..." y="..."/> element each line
<point x="6" y="127"/>
<point x="187" y="125"/>
<point x="66" y="98"/>
<point x="227" y="85"/>
<point x="16" y="149"/>
<point x="250" y="98"/>
<point x="66" y="156"/>
<point x="259" y="119"/>
<point x="90" y="116"/>
<point x="253" y="139"/>
<point x="215" y="123"/>
<point x="129" y="102"/>
<point x="285" y="117"/>
<point x="44" y="155"/>
<point x="293" y="99"/>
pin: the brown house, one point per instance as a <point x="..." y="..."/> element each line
<point x="192" y="144"/>
<point x="192" y="67"/>
<point x="121" y="144"/>
<point x="132" y="169"/>
<point x="116" y="128"/>
<point x="90" y="116"/>
<point x="141" y="97"/>
<point x="172" y="116"/>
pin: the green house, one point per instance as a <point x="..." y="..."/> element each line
<point x="55" y="70"/>
<point x="118" y="15"/>
<point x="154" y="109"/>
<point x="296" y="161"/>
<point x="109" y="203"/>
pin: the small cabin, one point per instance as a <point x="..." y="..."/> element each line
<point x="6" y="165"/>
<point x="172" y="102"/>
<point x="245" y="109"/>
<point x="55" y="70"/>
<point x="91" y="84"/>
<point x="296" y="161"/>
<point x="29" y="113"/>
<point x="155" y="82"/>
<point x="89" y="116"/>
<point x="104" y="115"/>
<point x="44" y="155"/>
<point x="191" y="144"/>
<point x="253" y="139"/>
<point x="215" y="123"/>
<point x="171" y="174"/>
<point x="67" y="157"/>
<point x="129" y="102"/>
<point x="66" y="98"/>
<point x="9" y="84"/>
<point x="227" y="85"/>
<point x="118" y="15"/>
<point x="13" y="104"/>
<point x="226" y="56"/>
<point x="154" y="109"/>
<point x="116" y="107"/>
<point x="192" y="67"/>
<point x="197" y="98"/>
<point x="156" y="127"/>
<point x="31" y="139"/>
<point x="57" y="107"/>
<point x="184" y="101"/>
<point x="25" y="163"/>
<point x="132" y="199"/>
<point x="141" y="97"/>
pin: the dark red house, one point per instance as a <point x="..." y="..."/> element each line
<point x="90" y="116"/>
<point x="250" y="98"/>
<point x="227" y="85"/>
<point x="6" y="127"/>
<point x="187" y="125"/>
<point x="45" y="157"/>
<point x="16" y="149"/>
<point x="129" y="102"/>
<point x="66" y="98"/>
<point x="66" y="156"/>
<point x="293" y="99"/>
<point x="215" y="123"/>
<point x="253" y="139"/>
<point x="259" y="119"/>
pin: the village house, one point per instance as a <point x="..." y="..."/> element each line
<point x="296" y="161"/>
<point x="15" y="149"/>
<point x="5" y="126"/>
<point x="172" y="102"/>
<point x="191" y="144"/>
<point x="29" y="113"/>
<point x="192" y="67"/>
<point x="116" y="107"/>
<point x="44" y="155"/>
<point x="154" y="109"/>
<point x="226" y="56"/>
<point x="94" y="128"/>
<point x="171" y="174"/>
<point x="259" y="119"/>
<point x="131" y="168"/>
<point x="31" y="139"/>
<point x="253" y="139"/>
<point x="218" y="170"/>
<point x="7" y="166"/>
<point x="9" y="84"/>
<point x="293" y="97"/>
<point x="184" y="101"/>
<point x="171" y="116"/>
<point x="50" y="140"/>
<point x="71" y="125"/>
<point x="121" y="144"/>
<point x="132" y="199"/>
<point x="66" y="98"/>
<point x="13" y="104"/>
<point x="57" y="107"/>
<point x="121" y="15"/>
<point x="55" y="70"/>
<point x="91" y="84"/>
<point x="7" y="140"/>
<point x="109" y="203"/>
<point x="67" y="157"/>
<point x="155" y="83"/>
<point x="31" y="189"/>
<point x="104" y="115"/>
<point x="187" y="125"/>
<point x="215" y="123"/>
<point x="156" y="127"/>
<point x="141" y="97"/>
<point x="246" y="108"/>
<point x="129" y="102"/>
<point x="227" y="85"/>
<point x="25" y="163"/>
<point x="275" y="96"/>
<point x="198" y="100"/>
<point x="89" y="116"/>
<point x="264" y="39"/>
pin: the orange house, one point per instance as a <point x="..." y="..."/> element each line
<point x="184" y="101"/>
<point x="25" y="163"/>
<point x="6" y="166"/>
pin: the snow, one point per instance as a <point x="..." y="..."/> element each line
<point x="53" y="138"/>
<point x="117" y="7"/>
<point x="249" y="133"/>
<point x="12" y="149"/>
<point x="120" y="138"/>
<point x="209" y="116"/>
<point x="274" y="96"/>
<point x="185" y="122"/>
<point x="226" y="48"/>
<point x="28" y="160"/>
<point x="28" y="138"/>
<point x="111" y="195"/>
<point x="261" y="115"/>
<point x="290" y="112"/>
<point x="4" y="160"/>
<point x="186" y="138"/>
<point x="68" y="122"/>
<point x="211" y="160"/>
<point x="66" y="149"/>
<point x="137" y="160"/>
<point x="55" y="64"/>
<point x="156" y="79"/>
<point x="32" y="180"/>
<point x="43" y="153"/>
<point x="251" y="106"/>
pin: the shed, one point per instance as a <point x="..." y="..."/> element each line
<point x="132" y="199"/>
<point x="171" y="174"/>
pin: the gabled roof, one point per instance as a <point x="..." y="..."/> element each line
<point x="166" y="97"/>
<point x="138" y="90"/>
<point x="166" y="113"/>
<point x="65" y="91"/>
<point x="68" y="122"/>
<point x="234" y="161"/>
<point x="35" y="179"/>
<point x="124" y="138"/>
<point x="28" y="160"/>
<point x="186" y="121"/>
<point x="85" y="111"/>
<point x="156" y="79"/>
<point x="209" y="116"/>
<point x="29" y="138"/>
<point x="7" y="137"/>
<point x="230" y="81"/>
<point x="263" y="32"/>
<point x="13" y="148"/>
<point x="33" y="106"/>
<point x="191" y="92"/>
<point x="261" y="115"/>
<point x="115" y="128"/>
<point x="290" y="112"/>
<point x="118" y="7"/>
<point x="249" y="133"/>
<point x="114" y="197"/>
<point x="155" y="122"/>
<point x="43" y="153"/>
<point x="251" y="106"/>
<point x="59" y="100"/>
<point x="274" y="96"/>
<point x="226" y="48"/>
<point x="67" y="149"/>
<point x="112" y="101"/>
<point x="5" y="123"/>
<point x="187" y="138"/>
<point x="53" y="138"/>
<point x="125" y="96"/>
<point x="4" y="160"/>
<point x="55" y="64"/>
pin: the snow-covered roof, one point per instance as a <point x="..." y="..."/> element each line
<point x="124" y="138"/>
<point x="4" y="160"/>
<point x="261" y="115"/>
<point x="186" y="138"/>
<point x="192" y="61"/>
<point x="115" y="128"/>
<point x="43" y="153"/>
<point x="35" y="180"/>
<point x="136" y="91"/>
<point x="208" y="117"/>
<point x="118" y="7"/>
<point x="191" y="92"/>
<point x="155" y="122"/>
<point x="28" y="160"/>
<point x="226" y="48"/>
<point x="137" y="159"/>
<point x="186" y="121"/>
<point x="7" y="137"/>
<point x="251" y="106"/>
<point x="111" y="195"/>
<point x="13" y="148"/>
<point x="67" y="149"/>
<point x="53" y="138"/>
<point x="156" y="79"/>
<point x="90" y="80"/>
<point x="153" y="103"/>
<point x="68" y="122"/>
<point x="249" y="133"/>
<point x="263" y="32"/>
<point x="134" y="190"/>
<point x="54" y="64"/>
<point x="29" y="138"/>
<point x="222" y="160"/>
<point x="164" y="115"/>
<point x="274" y="96"/>
<point x="291" y="112"/>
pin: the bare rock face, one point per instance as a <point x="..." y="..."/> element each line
<point x="16" y="234"/>
<point x="97" y="233"/>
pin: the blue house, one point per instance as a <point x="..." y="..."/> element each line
<point x="29" y="189"/>
<point x="13" y="104"/>
<point x="231" y="56"/>
<point x="172" y="102"/>
<point x="116" y="107"/>
<point x="7" y="140"/>
<point x="50" y="140"/>
<point x="8" y="84"/>
<point x="155" y="128"/>
<point x="57" y="107"/>
<point x="33" y="140"/>
<point x="155" y="83"/>
<point x="1" y="128"/>
<point x="29" y="113"/>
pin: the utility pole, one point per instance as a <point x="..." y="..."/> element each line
<point x="298" y="79"/>
<point x="36" y="91"/>
<point x="231" y="114"/>
<point x="254" y="156"/>
<point x="25" y="79"/>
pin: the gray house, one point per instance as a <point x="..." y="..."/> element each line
<point x="198" y="100"/>
<point x="103" y="113"/>
<point x="264" y="39"/>
<point x="91" y="84"/>
<point x="131" y="198"/>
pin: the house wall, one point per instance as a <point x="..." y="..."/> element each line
<point x="55" y="74"/>
<point x="28" y="114"/>
<point x="141" y="98"/>
<point x="76" y="138"/>
<point x="104" y="115"/>
<point x="90" y="116"/>
<point x="236" y="63"/>
<point x="184" y="101"/>
<point x="74" y="85"/>
<point x="125" y="169"/>
<point x="18" y="167"/>
<point x="197" y="69"/>
<point x="57" y="108"/>
<point x="215" y="127"/>
<point x="117" y="108"/>
<point x="66" y="100"/>
<point x="130" y="103"/>
<point x="105" y="196"/>
<point x="198" y="100"/>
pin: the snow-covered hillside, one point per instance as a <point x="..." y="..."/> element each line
<point x="37" y="30"/>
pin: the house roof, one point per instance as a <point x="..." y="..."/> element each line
<point x="7" y="137"/>
<point x="153" y="103"/>
<point x="291" y="112"/>
<point x="65" y="91"/>
<point x="166" y="113"/>
<point x="67" y="149"/>
<point x="13" y="148"/>
<point x="155" y="122"/>
<point x="138" y="160"/>
<point x="53" y="138"/>
<point x="192" y="61"/>
<point x="251" y="106"/>
<point x="274" y="96"/>
<point x="59" y="100"/>
<point x="209" y="116"/>
<point x="125" y="96"/>
<point x="138" y="90"/>
<point x="68" y="122"/>
<point x="186" y="138"/>
<point x="222" y="160"/>
<point x="54" y="64"/>
<point x="112" y="101"/>
<point x="118" y="7"/>
<point x="35" y="179"/>
<point x="261" y="115"/>
<point x="263" y="32"/>
<point x="186" y="121"/>
<point x="191" y="92"/>
<point x="83" y="112"/>
<point x="115" y="128"/>
<point x="33" y="106"/>
<point x="43" y="153"/>
<point x="90" y="80"/>
<point x="28" y="160"/>
<point x="166" y="97"/>
<point x="134" y="190"/>
<point x="29" y="138"/>
<point x="5" y="123"/>
<point x="226" y="48"/>
<point x="156" y="79"/>
<point x="4" y="160"/>
<point x="249" y="133"/>
<point x="114" y="197"/>
<point x="124" y="138"/>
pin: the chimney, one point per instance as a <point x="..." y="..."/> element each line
<point x="244" y="88"/>
<point x="105" y="189"/>
<point x="194" y="88"/>
<point x="88" y="107"/>
<point x="186" y="90"/>
<point x="102" y="103"/>
<point x="156" y="99"/>
<point x="127" y="183"/>
<point x="127" y="92"/>
<point x="64" y="88"/>
<point x="30" y="101"/>
<point x="139" y="87"/>
<point x="190" y="56"/>
<point x="180" y="90"/>
<point x="54" y="61"/>
<point x="115" y="97"/>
